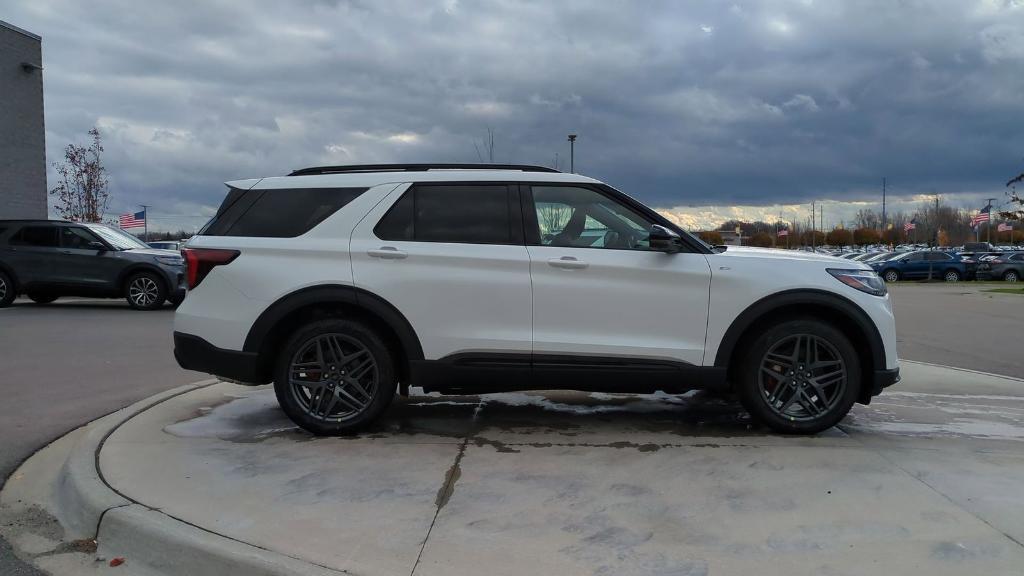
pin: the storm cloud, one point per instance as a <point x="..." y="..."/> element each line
<point x="677" y="103"/>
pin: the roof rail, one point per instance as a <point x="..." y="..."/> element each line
<point x="416" y="168"/>
<point x="58" y="220"/>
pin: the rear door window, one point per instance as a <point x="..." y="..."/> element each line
<point x="277" y="213"/>
<point x="460" y="213"/>
<point x="39" y="236"/>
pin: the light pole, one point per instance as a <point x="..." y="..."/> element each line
<point x="572" y="153"/>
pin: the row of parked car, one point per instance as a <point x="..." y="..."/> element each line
<point x="948" y="265"/>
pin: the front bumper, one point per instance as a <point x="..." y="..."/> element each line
<point x="194" y="353"/>
<point x="883" y="379"/>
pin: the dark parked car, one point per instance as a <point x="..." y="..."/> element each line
<point x="167" y="245"/>
<point x="1008" y="266"/>
<point x="948" y="266"/>
<point x="46" y="259"/>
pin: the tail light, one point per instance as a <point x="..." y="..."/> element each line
<point x="199" y="262"/>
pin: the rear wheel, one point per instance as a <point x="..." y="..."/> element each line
<point x="891" y="275"/>
<point x="41" y="298"/>
<point x="7" y="292"/>
<point x="951" y="276"/>
<point x="799" y="377"/>
<point x="335" y="377"/>
<point x="145" y="291"/>
<point x="1011" y="276"/>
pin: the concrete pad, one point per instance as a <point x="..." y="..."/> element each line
<point x="925" y="480"/>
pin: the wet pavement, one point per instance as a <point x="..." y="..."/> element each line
<point x="924" y="480"/>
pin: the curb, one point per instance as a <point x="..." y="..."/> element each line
<point x="967" y="370"/>
<point x="154" y="542"/>
<point x="81" y="494"/>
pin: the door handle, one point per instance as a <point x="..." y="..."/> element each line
<point x="387" y="253"/>
<point x="568" y="263"/>
<point x="65" y="251"/>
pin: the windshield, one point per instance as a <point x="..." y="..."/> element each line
<point x="118" y="239"/>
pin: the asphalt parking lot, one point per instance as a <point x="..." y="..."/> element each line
<point x="86" y="358"/>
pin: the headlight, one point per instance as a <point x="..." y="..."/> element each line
<point x="170" y="260"/>
<point x="863" y="280"/>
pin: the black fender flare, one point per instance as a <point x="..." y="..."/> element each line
<point x="802" y="297"/>
<point x="334" y="294"/>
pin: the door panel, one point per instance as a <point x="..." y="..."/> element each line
<point x="622" y="303"/>
<point x="80" y="266"/>
<point x="597" y="288"/>
<point x="31" y="252"/>
<point x="459" y="296"/>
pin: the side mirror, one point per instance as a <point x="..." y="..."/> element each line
<point x="904" y="260"/>
<point x="664" y="240"/>
<point x="100" y="246"/>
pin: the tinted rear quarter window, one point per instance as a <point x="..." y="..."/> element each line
<point x="277" y="213"/>
<point x="41" y="236"/>
<point x="464" y="214"/>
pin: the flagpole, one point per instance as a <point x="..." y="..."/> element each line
<point x="145" y="222"/>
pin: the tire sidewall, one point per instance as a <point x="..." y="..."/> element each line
<point x="161" y="291"/>
<point x="387" y="380"/>
<point x="11" y="293"/>
<point x="747" y="384"/>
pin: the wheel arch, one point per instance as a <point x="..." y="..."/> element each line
<point x="272" y="327"/>
<point x="820" y="304"/>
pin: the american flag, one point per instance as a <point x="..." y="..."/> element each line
<point x="982" y="216"/>
<point x="910" y="225"/>
<point x="136" y="220"/>
<point x="1004" y="228"/>
<point x="783" y="232"/>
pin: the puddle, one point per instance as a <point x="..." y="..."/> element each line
<point x="254" y="415"/>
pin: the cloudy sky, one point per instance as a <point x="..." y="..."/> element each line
<point x="705" y="109"/>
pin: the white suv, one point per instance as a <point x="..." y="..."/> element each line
<point x="343" y="284"/>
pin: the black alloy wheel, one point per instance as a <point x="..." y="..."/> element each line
<point x="800" y="376"/>
<point x="335" y="377"/>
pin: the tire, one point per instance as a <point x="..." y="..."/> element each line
<point x="951" y="276"/>
<point x="145" y="291"/>
<point x="1011" y="276"/>
<point x="41" y="298"/>
<point x="890" y="275"/>
<point x="337" y="403"/>
<point x="7" y="290"/>
<point x="838" y="377"/>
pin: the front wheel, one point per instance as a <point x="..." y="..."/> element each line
<point x="41" y="298"/>
<point x="799" y="377"/>
<point x="891" y="276"/>
<point x="145" y="291"/>
<point x="335" y="377"/>
<point x="1011" y="276"/>
<point x="951" y="276"/>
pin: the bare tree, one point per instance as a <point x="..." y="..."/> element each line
<point x="553" y="217"/>
<point x="82" y="194"/>
<point x="1016" y="198"/>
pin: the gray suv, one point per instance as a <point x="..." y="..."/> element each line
<point x="46" y="259"/>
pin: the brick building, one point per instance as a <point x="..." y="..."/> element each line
<point x="22" y="138"/>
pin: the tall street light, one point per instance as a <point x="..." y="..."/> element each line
<point x="572" y="145"/>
